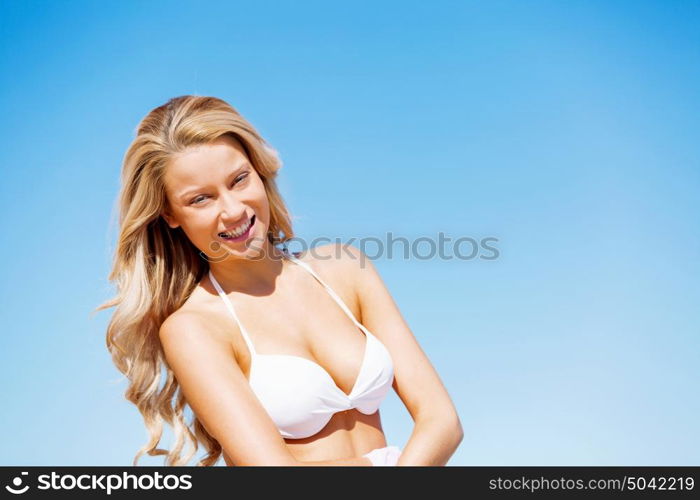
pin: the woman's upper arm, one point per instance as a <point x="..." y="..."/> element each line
<point x="415" y="380"/>
<point x="219" y="394"/>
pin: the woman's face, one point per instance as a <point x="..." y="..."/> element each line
<point x="213" y="188"/>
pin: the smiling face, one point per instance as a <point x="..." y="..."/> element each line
<point x="213" y="189"/>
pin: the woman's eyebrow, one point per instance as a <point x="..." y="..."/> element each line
<point x="191" y="191"/>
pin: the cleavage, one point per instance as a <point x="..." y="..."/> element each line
<point x="286" y="325"/>
<point x="329" y="340"/>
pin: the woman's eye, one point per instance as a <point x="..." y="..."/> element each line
<point x="240" y="178"/>
<point x="199" y="198"/>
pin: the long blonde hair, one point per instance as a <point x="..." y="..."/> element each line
<point x="156" y="268"/>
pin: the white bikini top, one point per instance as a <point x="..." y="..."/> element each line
<point x="299" y="394"/>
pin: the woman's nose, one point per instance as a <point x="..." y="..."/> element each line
<point x="232" y="209"/>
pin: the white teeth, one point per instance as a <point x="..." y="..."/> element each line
<point x="237" y="232"/>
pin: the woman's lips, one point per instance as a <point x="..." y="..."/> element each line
<point x="245" y="235"/>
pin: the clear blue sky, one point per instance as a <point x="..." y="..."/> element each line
<point x="567" y="130"/>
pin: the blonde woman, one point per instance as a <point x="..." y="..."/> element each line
<point x="283" y="358"/>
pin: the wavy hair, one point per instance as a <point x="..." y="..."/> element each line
<point x="156" y="268"/>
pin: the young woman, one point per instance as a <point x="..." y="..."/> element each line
<point x="284" y="359"/>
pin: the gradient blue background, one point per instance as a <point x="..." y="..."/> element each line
<point x="567" y="130"/>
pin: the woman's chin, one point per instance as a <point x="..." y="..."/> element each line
<point x="252" y="247"/>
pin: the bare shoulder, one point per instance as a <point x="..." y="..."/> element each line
<point x="342" y="260"/>
<point x="198" y="317"/>
<point x="197" y="314"/>
<point x="187" y="324"/>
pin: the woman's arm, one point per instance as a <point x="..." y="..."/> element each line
<point x="437" y="432"/>
<point x="431" y="443"/>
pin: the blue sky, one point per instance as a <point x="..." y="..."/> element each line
<point x="566" y="130"/>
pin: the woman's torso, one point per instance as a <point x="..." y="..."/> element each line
<point x="314" y="327"/>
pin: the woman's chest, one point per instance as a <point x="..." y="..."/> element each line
<point x="307" y="325"/>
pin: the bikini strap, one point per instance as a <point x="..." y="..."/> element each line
<point x="331" y="292"/>
<point x="229" y="306"/>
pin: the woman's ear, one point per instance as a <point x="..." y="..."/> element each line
<point x="169" y="219"/>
